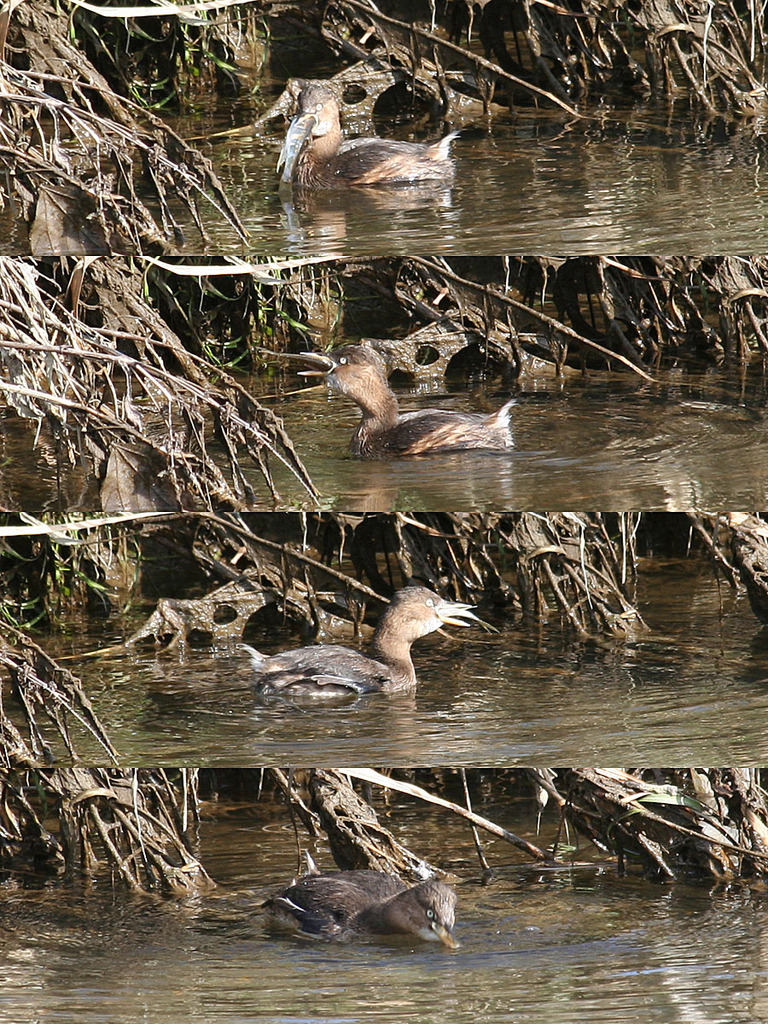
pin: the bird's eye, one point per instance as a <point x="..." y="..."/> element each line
<point x="431" y="914"/>
<point x="430" y="603"/>
<point x="343" y="360"/>
<point x="318" y="108"/>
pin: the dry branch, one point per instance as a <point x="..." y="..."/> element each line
<point x="550" y="54"/>
<point x="106" y="391"/>
<point x="41" y="687"/>
<point x="85" y="197"/>
<point x="398" y="786"/>
<point x="130" y="823"/>
<point x="356" y="837"/>
<point x="710" y="822"/>
<point x="580" y="566"/>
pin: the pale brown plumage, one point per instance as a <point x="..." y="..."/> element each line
<point x="315" y="154"/>
<point x="358" y="372"/>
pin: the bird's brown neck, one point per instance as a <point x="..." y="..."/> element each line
<point x="380" y="413"/>
<point x="317" y="164"/>
<point x="386" y="918"/>
<point x="394" y="650"/>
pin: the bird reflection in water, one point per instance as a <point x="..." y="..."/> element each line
<point x="401" y="179"/>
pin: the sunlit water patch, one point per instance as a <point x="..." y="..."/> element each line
<point x="693" y="687"/>
<point x="535" y="946"/>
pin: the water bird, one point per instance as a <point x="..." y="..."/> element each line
<point x="330" y="670"/>
<point x="359" y="373"/>
<point x="315" y="155"/>
<point x="351" y="904"/>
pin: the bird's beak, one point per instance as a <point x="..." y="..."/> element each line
<point x="452" y="613"/>
<point x="444" y="935"/>
<point x="298" y="132"/>
<point x="321" y="364"/>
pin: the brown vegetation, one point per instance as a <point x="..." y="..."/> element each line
<point x="686" y="823"/>
<point x="90" y="171"/>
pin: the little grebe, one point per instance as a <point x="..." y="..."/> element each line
<point x="346" y="904"/>
<point x="329" y="670"/>
<point x="359" y="373"/>
<point x="314" y="155"/>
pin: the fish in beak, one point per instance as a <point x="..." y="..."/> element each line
<point x="299" y="131"/>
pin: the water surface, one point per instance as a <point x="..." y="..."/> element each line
<point x="693" y="688"/>
<point x="535" y="946"/>
<point x="606" y="441"/>
<point x="631" y="180"/>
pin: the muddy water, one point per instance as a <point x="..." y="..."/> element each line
<point x="692" y="689"/>
<point x="685" y="441"/>
<point x="628" y="181"/>
<point x="536" y="946"/>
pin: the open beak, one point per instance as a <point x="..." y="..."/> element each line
<point x="452" y="613"/>
<point x="298" y="132"/>
<point x="444" y="935"/>
<point x="321" y="364"/>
